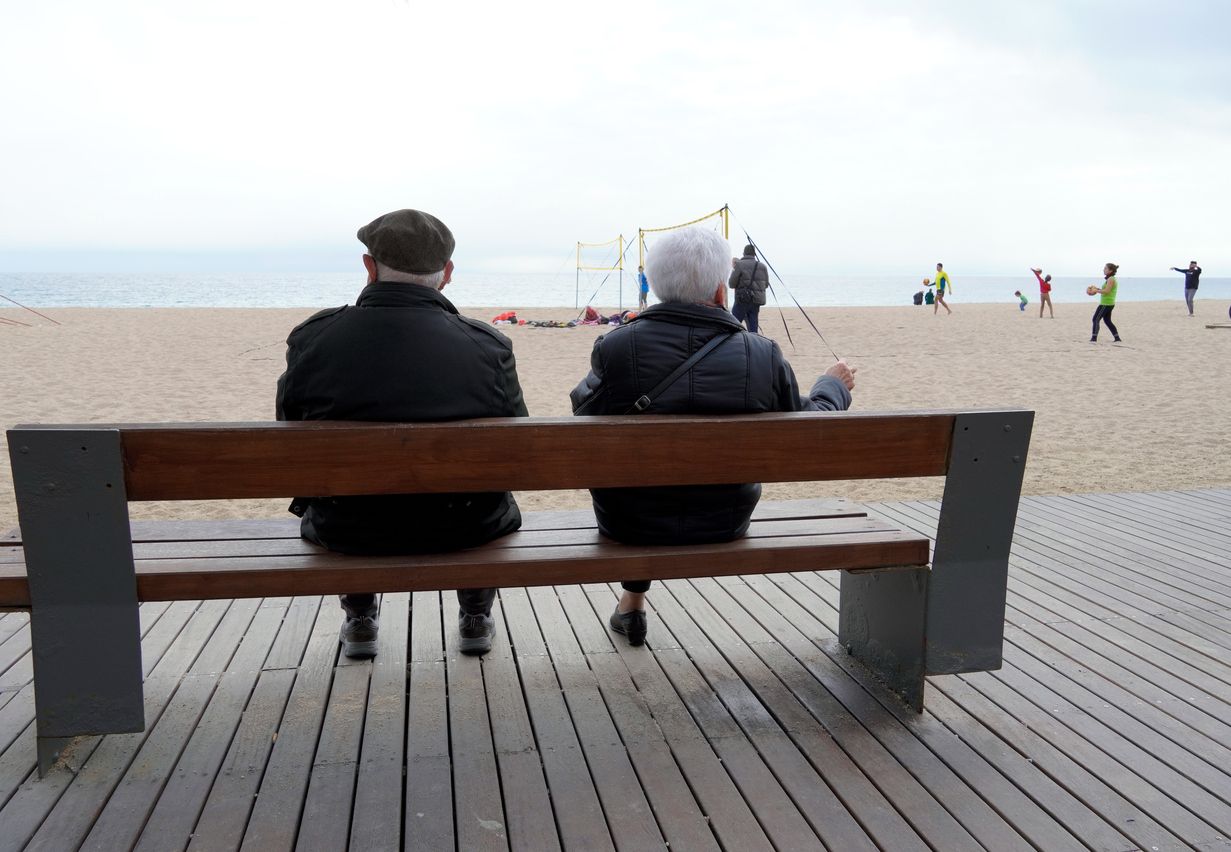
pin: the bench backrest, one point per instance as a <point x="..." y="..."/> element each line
<point x="200" y="461"/>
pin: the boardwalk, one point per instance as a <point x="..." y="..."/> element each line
<point x="742" y="726"/>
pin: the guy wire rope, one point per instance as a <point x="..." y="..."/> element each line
<point x="781" y="314"/>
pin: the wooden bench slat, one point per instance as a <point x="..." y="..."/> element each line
<point x="201" y="548"/>
<point x="288" y="527"/>
<point x="334" y="574"/>
<point x="240" y="460"/>
<point x="223" y="555"/>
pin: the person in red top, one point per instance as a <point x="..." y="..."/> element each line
<point x="1044" y="292"/>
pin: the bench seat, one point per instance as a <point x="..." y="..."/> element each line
<point x="191" y="560"/>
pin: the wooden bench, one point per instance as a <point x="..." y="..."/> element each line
<point x="81" y="567"/>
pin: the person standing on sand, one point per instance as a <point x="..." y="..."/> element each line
<point x="1044" y="292"/>
<point x="402" y="353"/>
<point x="943" y="285"/>
<point x="1106" y="302"/>
<point x="727" y="371"/>
<point x="749" y="279"/>
<point x="643" y="289"/>
<point x="1192" y="277"/>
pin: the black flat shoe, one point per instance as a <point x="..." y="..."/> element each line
<point x="630" y="624"/>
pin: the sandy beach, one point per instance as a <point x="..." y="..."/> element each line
<point x="1144" y="415"/>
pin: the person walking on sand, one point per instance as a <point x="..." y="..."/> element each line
<point x="1192" y="277"/>
<point x="1044" y="292"/>
<point x="943" y="285"/>
<point x="1106" y="303"/>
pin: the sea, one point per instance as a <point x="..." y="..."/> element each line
<point x="531" y="290"/>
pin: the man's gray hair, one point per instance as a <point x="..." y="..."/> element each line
<point x="430" y="279"/>
<point x="688" y="266"/>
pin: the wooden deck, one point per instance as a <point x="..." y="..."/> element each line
<point x="740" y="726"/>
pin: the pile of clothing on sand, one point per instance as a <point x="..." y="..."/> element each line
<point x="589" y="316"/>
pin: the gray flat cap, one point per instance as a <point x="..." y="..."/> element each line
<point x="408" y="241"/>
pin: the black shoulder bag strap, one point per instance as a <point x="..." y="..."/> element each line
<point x="647" y="399"/>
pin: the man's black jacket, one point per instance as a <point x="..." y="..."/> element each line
<point x="747" y="373"/>
<point x="400" y="353"/>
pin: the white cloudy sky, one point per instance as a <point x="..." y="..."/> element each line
<point x="878" y="136"/>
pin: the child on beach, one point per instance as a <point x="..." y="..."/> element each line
<point x="1018" y="294"/>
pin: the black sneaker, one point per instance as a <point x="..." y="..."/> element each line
<point x="476" y="632"/>
<point x="358" y="636"/>
<point x="630" y="624"/>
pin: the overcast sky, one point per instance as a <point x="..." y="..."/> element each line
<point x="877" y="137"/>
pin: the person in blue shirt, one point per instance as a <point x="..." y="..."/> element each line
<point x="1192" y="277"/>
<point x="643" y="289"/>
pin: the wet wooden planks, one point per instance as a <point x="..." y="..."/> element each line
<point x="741" y="724"/>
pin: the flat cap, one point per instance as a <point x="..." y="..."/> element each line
<point x="408" y="241"/>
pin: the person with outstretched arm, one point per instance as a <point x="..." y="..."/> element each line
<point x="1044" y="292"/>
<point x="1192" y="277"/>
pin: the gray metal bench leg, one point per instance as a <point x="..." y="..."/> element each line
<point x="881" y="623"/>
<point x="85" y="632"/>
<point x="970" y="564"/>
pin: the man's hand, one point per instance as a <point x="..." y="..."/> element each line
<point x="1036" y="271"/>
<point x="843" y="373"/>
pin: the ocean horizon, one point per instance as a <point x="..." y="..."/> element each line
<point x="524" y="290"/>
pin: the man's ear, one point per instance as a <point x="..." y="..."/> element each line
<point x="720" y="295"/>
<point x="448" y="275"/>
<point x="369" y="263"/>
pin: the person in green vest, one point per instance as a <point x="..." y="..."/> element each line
<point x="1106" y="302"/>
<point x="943" y="286"/>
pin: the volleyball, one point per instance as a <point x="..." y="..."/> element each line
<point x="1091" y="290"/>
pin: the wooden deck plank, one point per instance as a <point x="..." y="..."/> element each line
<point x="18" y="758"/>
<point x="579" y="814"/>
<point x="377" y="819"/>
<point x="73" y="814"/>
<point x="274" y="821"/>
<point x="477" y="803"/>
<point x="679" y="815"/>
<point x="328" y="801"/>
<point x="789" y="619"/>
<point x="142" y="785"/>
<point x="528" y="807"/>
<point x="181" y="801"/>
<point x="429" y="780"/>
<point x="798" y="698"/>
<point x="740" y="686"/>
<point x="224" y="816"/>
<point x="629" y="814"/>
<point x="728" y="813"/>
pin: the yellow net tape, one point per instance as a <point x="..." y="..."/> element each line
<point x="618" y="242"/>
<point x="720" y="211"/>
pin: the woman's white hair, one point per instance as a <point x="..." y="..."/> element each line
<point x="688" y="266"/>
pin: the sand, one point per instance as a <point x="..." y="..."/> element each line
<point x="1149" y="414"/>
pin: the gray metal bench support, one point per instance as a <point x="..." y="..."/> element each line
<point x="910" y="623"/>
<point x="970" y="563"/>
<point x="85" y="631"/>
